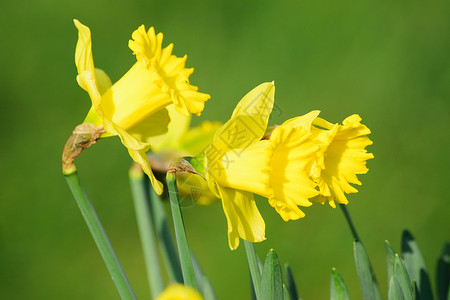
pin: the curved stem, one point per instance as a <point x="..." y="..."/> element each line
<point x="349" y="221"/>
<point x="98" y="233"/>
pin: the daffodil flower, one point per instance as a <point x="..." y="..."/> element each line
<point x="179" y="292"/>
<point x="134" y="108"/>
<point x="240" y="164"/>
<point x="341" y="157"/>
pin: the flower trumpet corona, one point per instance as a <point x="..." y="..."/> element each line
<point x="341" y="157"/>
<point x="134" y="107"/>
<point x="239" y="164"/>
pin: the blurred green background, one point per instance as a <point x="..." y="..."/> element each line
<point x="387" y="61"/>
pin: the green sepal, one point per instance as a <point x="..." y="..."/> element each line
<point x="367" y="280"/>
<point x="271" y="282"/>
<point x="443" y="274"/>
<point x="338" y="289"/>
<point x="415" y="265"/>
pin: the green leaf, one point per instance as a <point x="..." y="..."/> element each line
<point x="208" y="290"/>
<point x="394" y="290"/>
<point x="254" y="266"/>
<point x="290" y="282"/>
<point x="443" y="274"/>
<point x="390" y="256"/>
<point x="198" y="271"/>
<point x="286" y="295"/>
<point x="338" y="289"/>
<point x="252" y="289"/>
<point x="402" y="278"/>
<point x="272" y="282"/>
<point x="415" y="265"/>
<point x="367" y="280"/>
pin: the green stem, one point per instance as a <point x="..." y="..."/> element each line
<point x="349" y="221"/>
<point x="254" y="268"/>
<point x="166" y="244"/>
<point x="98" y="233"/>
<point x="139" y="188"/>
<point x="187" y="267"/>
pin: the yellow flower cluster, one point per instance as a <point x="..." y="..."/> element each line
<point x="304" y="160"/>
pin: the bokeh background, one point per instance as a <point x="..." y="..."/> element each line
<point x="388" y="61"/>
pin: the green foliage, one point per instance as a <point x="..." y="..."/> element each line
<point x="366" y="276"/>
<point x="415" y="265"/>
<point x="408" y="278"/>
<point x="443" y="274"/>
<point x="271" y="281"/>
<point x="338" y="289"/>
<point x="290" y="282"/>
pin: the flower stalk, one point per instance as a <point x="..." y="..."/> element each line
<point x="187" y="267"/>
<point x="145" y="224"/>
<point x="349" y="221"/>
<point x="101" y="239"/>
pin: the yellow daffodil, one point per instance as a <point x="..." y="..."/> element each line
<point x="240" y="164"/>
<point x="134" y="107"/>
<point x="179" y="292"/>
<point x="341" y="157"/>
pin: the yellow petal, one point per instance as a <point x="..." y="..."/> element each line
<point x="243" y="217"/>
<point x="87" y="82"/>
<point x="197" y="138"/>
<point x="141" y="158"/>
<point x="177" y="127"/>
<point x="304" y="121"/>
<point x="248" y="122"/>
<point x="84" y="62"/>
<point x="173" y="76"/>
<point x="153" y="126"/>
<point x="179" y="292"/>
<point x="103" y="81"/>
<point x="83" y="51"/>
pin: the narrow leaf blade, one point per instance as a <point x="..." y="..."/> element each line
<point x="366" y="277"/>
<point x="272" y="282"/>
<point x="338" y="289"/>
<point x="208" y="290"/>
<point x="402" y="278"/>
<point x="415" y="265"/>
<point x="443" y="273"/>
<point x="394" y="290"/>
<point x="390" y="256"/>
<point x="290" y="282"/>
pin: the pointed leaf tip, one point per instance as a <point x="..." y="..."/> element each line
<point x="338" y="289"/>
